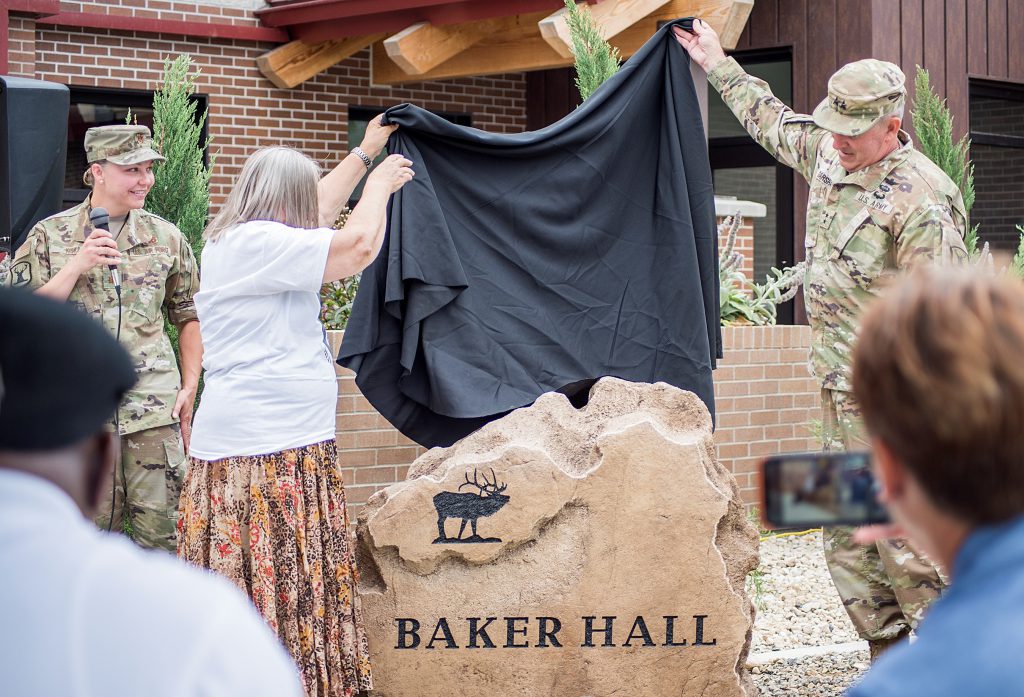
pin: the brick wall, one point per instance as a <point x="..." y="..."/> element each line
<point x="755" y="184"/>
<point x="766" y="403"/>
<point x="765" y="399"/>
<point x="21" y="58"/>
<point x="246" y="111"/>
<point x="373" y="453"/>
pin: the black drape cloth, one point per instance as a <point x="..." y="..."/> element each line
<point x="519" y="264"/>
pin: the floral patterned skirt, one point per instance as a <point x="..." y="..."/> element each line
<point x="277" y="526"/>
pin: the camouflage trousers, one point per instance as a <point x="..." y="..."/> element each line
<point x="147" y="486"/>
<point x="887" y="586"/>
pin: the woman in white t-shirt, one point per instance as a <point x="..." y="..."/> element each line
<point x="263" y="502"/>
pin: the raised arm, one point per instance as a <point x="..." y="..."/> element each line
<point x="357" y="244"/>
<point x="791" y="138"/>
<point x="335" y="189"/>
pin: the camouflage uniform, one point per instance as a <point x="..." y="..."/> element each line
<point x="862" y="227"/>
<point x="159" y="272"/>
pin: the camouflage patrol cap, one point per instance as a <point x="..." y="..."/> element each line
<point x="859" y="94"/>
<point x="122" y="145"/>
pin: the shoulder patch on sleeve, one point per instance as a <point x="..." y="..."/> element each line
<point x="21" y="274"/>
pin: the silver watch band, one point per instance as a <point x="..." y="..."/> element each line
<point x="358" y="152"/>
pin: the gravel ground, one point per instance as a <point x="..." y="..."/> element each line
<point x="798" y="607"/>
<point x="820" y="676"/>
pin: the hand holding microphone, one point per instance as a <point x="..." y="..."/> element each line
<point x="100" y="247"/>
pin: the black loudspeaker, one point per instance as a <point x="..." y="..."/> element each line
<point x="34" y="135"/>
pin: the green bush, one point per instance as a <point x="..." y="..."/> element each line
<point x="596" y="60"/>
<point x="181" y="191"/>
<point x="933" y="126"/>
<point x="336" y="302"/>
<point x="181" y="188"/>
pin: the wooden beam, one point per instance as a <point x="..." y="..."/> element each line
<point x="295" y="62"/>
<point x="730" y="32"/>
<point x="612" y="17"/>
<point x="520" y="47"/>
<point x="423" y="46"/>
<point x="517" y="43"/>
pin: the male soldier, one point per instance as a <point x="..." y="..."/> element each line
<point x="66" y="258"/>
<point x="876" y="206"/>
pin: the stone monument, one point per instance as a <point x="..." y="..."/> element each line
<point x="592" y="552"/>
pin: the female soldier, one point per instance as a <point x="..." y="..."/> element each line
<point x="67" y="258"/>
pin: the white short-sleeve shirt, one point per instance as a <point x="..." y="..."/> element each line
<point x="270" y="381"/>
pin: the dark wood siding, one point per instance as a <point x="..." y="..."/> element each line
<point x="550" y="95"/>
<point x="954" y="40"/>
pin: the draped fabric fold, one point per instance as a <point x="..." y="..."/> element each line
<point x="519" y="264"/>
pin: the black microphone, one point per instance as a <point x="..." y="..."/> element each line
<point x="100" y="220"/>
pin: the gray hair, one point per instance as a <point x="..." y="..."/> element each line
<point x="895" y="113"/>
<point x="277" y="184"/>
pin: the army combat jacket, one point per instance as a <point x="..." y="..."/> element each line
<point x="158" y="272"/>
<point x="861" y="226"/>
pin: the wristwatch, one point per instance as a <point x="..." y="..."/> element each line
<point x="358" y="152"/>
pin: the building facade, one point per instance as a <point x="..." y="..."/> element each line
<point x="111" y="53"/>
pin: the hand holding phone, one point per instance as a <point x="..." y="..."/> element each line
<point x="809" y="490"/>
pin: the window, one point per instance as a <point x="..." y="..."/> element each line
<point x="102" y="107"/>
<point x="359" y="117"/>
<point x="997" y="152"/>
<point x="743" y="169"/>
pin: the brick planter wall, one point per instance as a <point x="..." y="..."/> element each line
<point x="765" y="398"/>
<point x="766" y="402"/>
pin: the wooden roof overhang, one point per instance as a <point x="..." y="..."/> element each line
<point x="414" y="40"/>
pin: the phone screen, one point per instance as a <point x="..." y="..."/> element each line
<point x="816" y="489"/>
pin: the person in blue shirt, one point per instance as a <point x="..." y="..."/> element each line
<point x="939" y="373"/>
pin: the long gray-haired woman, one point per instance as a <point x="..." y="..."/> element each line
<point x="263" y="502"/>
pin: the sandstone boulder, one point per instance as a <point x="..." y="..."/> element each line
<point x="564" y="552"/>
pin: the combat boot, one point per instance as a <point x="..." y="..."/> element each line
<point x="879" y="646"/>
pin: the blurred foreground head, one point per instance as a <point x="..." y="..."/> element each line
<point x="939" y="373"/>
<point x="63" y="377"/>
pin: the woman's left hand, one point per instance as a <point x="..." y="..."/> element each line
<point x="376" y="136"/>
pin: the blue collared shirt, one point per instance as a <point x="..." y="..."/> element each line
<point x="971" y="642"/>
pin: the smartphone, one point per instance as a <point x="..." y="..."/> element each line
<point x="810" y="490"/>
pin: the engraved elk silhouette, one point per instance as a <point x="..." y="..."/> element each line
<point x="469" y="507"/>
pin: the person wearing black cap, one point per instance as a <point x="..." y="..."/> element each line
<point x="72" y="594"/>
